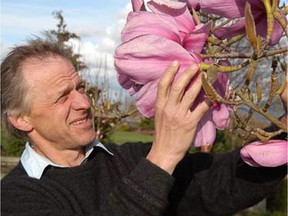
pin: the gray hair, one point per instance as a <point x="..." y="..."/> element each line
<point x="14" y="88"/>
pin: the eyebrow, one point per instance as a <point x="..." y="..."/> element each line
<point x="65" y="90"/>
<point x="81" y="81"/>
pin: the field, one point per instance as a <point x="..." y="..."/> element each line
<point x="120" y="137"/>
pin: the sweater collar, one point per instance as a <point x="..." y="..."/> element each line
<point x="35" y="164"/>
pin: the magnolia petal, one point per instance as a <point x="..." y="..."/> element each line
<point x="193" y="4"/>
<point x="261" y="29"/>
<point x="125" y="81"/>
<point x="167" y="4"/>
<point x="178" y="10"/>
<point x="224" y="8"/>
<point x="222" y="82"/>
<point x="228" y="32"/>
<point x="272" y="153"/>
<point x="146" y="99"/>
<point x="220" y="113"/>
<point x="135" y="88"/>
<point x="143" y="23"/>
<point x="206" y="132"/>
<point x="145" y="58"/>
<point x="197" y="38"/>
<point x="239" y="28"/>
<point x="221" y="116"/>
<point x="235" y="9"/>
<point x="137" y="4"/>
<point x="277" y="34"/>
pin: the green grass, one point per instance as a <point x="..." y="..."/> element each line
<point x="120" y="137"/>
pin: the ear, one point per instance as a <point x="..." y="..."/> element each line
<point x="20" y="122"/>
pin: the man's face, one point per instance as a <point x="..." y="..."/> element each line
<point x="60" y="109"/>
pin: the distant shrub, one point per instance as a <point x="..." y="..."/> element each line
<point x="124" y="126"/>
<point x="147" y="124"/>
<point x="11" y="146"/>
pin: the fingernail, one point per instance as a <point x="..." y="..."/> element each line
<point x="199" y="75"/>
<point x="174" y="63"/>
<point x="194" y="67"/>
<point x="205" y="75"/>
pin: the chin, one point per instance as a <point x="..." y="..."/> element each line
<point x="88" y="138"/>
<point x="83" y="137"/>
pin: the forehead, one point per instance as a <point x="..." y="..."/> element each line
<point x="48" y="70"/>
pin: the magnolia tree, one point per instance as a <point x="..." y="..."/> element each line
<point x="107" y="109"/>
<point x="212" y="34"/>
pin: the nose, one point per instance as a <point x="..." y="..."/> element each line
<point x="80" y="101"/>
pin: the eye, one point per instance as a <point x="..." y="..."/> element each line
<point x="62" y="99"/>
<point x="82" y="88"/>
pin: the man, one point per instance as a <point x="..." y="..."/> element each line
<point x="64" y="171"/>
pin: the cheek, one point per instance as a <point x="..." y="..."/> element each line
<point x="61" y="112"/>
<point x="51" y="116"/>
<point x="50" y="124"/>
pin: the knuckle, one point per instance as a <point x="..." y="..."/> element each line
<point x="200" y="113"/>
<point x="162" y="84"/>
<point x="176" y="88"/>
<point x="170" y="114"/>
<point x="189" y="96"/>
<point x="159" y="106"/>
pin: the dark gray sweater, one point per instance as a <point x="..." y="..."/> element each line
<point x="128" y="184"/>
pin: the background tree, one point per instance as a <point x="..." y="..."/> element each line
<point x="62" y="36"/>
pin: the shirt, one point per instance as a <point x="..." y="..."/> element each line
<point x="35" y="164"/>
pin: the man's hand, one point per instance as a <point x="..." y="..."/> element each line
<point x="175" y="123"/>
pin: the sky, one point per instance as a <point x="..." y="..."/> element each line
<point x="98" y="23"/>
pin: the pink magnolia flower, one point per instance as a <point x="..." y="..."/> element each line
<point x="267" y="154"/>
<point x="150" y="42"/>
<point x="235" y="9"/>
<point x="217" y="117"/>
<point x="136" y="4"/>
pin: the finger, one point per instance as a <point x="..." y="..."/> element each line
<point x="167" y="79"/>
<point x="200" y="110"/>
<point x="179" y="87"/>
<point x="192" y="93"/>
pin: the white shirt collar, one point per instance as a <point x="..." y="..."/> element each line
<point x="35" y="164"/>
